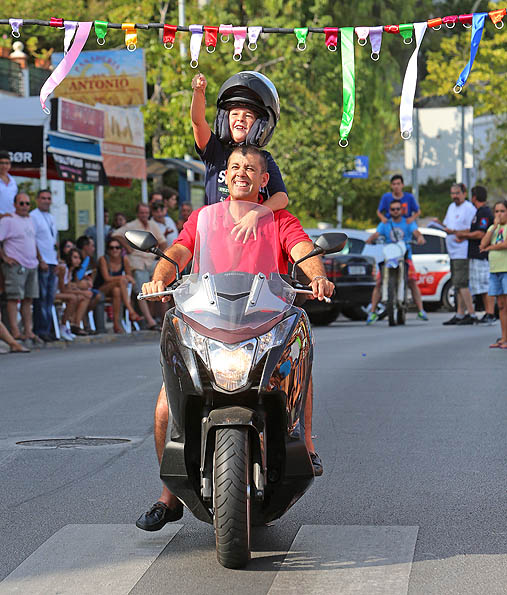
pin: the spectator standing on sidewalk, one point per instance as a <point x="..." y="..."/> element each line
<point x="8" y="186"/>
<point x="459" y="217"/>
<point x="91" y="232"/>
<point x="409" y="207"/>
<point x="142" y="263"/>
<point x="494" y="243"/>
<point x="20" y="259"/>
<point x="165" y="223"/>
<point x="478" y="265"/>
<point x="45" y="237"/>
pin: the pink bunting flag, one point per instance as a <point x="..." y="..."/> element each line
<point x="63" y="69"/>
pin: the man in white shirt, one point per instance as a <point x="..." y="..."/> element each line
<point x="459" y="216"/>
<point x="45" y="236"/>
<point x="8" y="186"/>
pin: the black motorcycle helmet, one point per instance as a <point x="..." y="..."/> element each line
<point x="254" y="90"/>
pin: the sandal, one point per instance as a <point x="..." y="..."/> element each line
<point x="135" y="317"/>
<point x="77" y="330"/>
<point x="21" y="349"/>
<point x="153" y="327"/>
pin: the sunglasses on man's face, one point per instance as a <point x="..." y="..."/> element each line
<point x="5" y="162"/>
<point x="394" y="210"/>
<point x="24" y="204"/>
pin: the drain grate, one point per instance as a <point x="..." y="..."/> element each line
<point x="78" y="441"/>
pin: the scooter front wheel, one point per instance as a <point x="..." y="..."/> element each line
<point x="231" y="496"/>
<point x="392" y="296"/>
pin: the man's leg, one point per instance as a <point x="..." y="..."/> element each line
<point x="26" y="317"/>
<point x="467" y="300"/>
<point x="168" y="508"/>
<point x="39" y="324"/>
<point x="160" y="432"/>
<point x="144" y="277"/>
<point x="375" y="299"/>
<point x="12" y="315"/>
<point x="489" y="303"/>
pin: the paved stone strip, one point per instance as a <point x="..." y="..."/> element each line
<point x="88" y="560"/>
<point x="346" y="560"/>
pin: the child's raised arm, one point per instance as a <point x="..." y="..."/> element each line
<point x="202" y="131"/>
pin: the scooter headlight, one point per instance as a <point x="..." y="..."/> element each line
<point x="276" y="336"/>
<point x="231" y="364"/>
<point x="191" y="339"/>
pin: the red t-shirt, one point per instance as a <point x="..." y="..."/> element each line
<point x="288" y="227"/>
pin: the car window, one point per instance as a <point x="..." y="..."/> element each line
<point x="434" y="245"/>
<point x="353" y="246"/>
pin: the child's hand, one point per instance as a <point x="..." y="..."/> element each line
<point x="199" y="82"/>
<point x="247" y="225"/>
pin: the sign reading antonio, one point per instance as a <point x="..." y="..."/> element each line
<point x="113" y="77"/>
<point x="24" y="144"/>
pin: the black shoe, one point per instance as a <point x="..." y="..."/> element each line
<point x="318" y="469"/>
<point x="453" y="320"/>
<point x="488" y="319"/>
<point x="158" y="515"/>
<point x="467" y="320"/>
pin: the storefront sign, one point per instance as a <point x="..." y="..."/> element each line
<point x="113" y="77"/>
<point x="77" y="169"/>
<point x="24" y="143"/>
<point x="77" y="118"/>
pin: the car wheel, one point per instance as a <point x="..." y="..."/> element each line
<point x="355" y="313"/>
<point x="323" y="318"/>
<point x="449" y="297"/>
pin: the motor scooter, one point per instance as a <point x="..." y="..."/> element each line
<point x="394" y="282"/>
<point x="236" y="361"/>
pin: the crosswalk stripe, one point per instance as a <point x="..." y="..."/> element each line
<point x="346" y="560"/>
<point x="88" y="559"/>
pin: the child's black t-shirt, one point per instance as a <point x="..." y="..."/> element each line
<point x="215" y="157"/>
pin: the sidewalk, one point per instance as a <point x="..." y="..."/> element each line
<point x="134" y="337"/>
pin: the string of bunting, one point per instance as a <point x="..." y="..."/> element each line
<point x="76" y="35"/>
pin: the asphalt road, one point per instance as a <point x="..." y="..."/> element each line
<point x="410" y="424"/>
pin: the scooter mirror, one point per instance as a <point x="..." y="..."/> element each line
<point x="141" y="240"/>
<point x="332" y="242"/>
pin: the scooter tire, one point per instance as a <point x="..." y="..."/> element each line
<point x="231" y="496"/>
<point x="392" y="298"/>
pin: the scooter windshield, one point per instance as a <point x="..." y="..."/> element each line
<point x="235" y="285"/>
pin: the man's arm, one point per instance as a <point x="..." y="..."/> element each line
<point x="165" y="272"/>
<point x="419" y="237"/>
<point x="373" y="238"/>
<point x="202" y="131"/>
<point x="314" y="269"/>
<point x="470" y="235"/>
<point x="414" y="216"/>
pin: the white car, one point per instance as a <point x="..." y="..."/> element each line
<point x="433" y="266"/>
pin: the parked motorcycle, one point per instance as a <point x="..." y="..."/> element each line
<point x="236" y="358"/>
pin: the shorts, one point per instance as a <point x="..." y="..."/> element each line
<point x="497" y="284"/>
<point x="478" y="275"/>
<point x="20" y="282"/>
<point x="413" y="275"/>
<point x="459" y="273"/>
<point x="143" y="276"/>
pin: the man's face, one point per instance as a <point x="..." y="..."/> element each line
<point x="44" y="201"/>
<point x="186" y="210"/>
<point x="395" y="211"/>
<point x="397" y="187"/>
<point x="5" y="166"/>
<point x="158" y="211"/>
<point x="89" y="249"/>
<point x="22" y="205"/>
<point x="457" y="195"/>
<point x="143" y="213"/>
<point x="156" y="198"/>
<point x="244" y="177"/>
<point x="240" y="121"/>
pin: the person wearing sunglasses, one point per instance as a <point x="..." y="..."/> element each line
<point x="20" y="262"/>
<point x="113" y="278"/>
<point x="397" y="228"/>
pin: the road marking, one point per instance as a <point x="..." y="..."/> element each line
<point x="358" y="560"/>
<point x="88" y="559"/>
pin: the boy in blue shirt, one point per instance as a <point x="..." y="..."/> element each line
<point x="409" y="207"/>
<point x="398" y="228"/>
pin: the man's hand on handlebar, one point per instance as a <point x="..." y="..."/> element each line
<point x="155" y="287"/>
<point x="420" y="240"/>
<point x="322" y="287"/>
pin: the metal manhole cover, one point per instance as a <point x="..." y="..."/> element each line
<point x="73" y="442"/>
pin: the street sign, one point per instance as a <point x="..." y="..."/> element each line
<point x="361" y="163"/>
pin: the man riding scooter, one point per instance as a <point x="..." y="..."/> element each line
<point x="246" y="173"/>
<point x="394" y="229"/>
